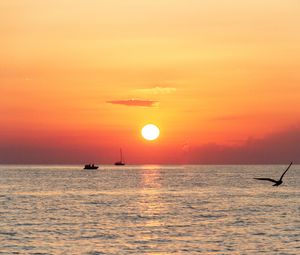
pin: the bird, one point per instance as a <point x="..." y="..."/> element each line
<point x="277" y="183"/>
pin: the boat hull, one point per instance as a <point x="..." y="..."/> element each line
<point x="119" y="164"/>
<point x="90" y="167"/>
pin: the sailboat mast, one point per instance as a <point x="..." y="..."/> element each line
<point x="121" y="155"/>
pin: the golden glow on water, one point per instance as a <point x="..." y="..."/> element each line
<point x="150" y="178"/>
<point x="150" y="200"/>
<point x="151" y="205"/>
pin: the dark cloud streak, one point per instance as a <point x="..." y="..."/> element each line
<point x="134" y="102"/>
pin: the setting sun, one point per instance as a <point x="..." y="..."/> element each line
<point x="150" y="132"/>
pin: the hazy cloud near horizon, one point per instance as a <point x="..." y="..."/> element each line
<point x="134" y="102"/>
<point x="278" y="148"/>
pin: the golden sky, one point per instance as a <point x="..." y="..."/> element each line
<point x="80" y="78"/>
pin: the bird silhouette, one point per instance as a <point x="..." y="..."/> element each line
<point x="277" y="183"/>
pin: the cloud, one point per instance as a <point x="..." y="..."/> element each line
<point x="232" y="117"/>
<point x="134" y="102"/>
<point x="157" y="90"/>
<point x="276" y="148"/>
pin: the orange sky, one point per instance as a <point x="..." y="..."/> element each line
<point x="207" y="72"/>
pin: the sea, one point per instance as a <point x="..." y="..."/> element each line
<point x="149" y="209"/>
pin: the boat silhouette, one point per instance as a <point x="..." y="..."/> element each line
<point x="121" y="162"/>
<point x="90" y="167"/>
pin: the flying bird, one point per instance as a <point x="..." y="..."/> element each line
<point x="277" y="183"/>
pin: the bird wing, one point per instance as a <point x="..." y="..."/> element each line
<point x="286" y="171"/>
<point x="265" y="179"/>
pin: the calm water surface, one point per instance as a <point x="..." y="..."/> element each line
<point x="148" y="210"/>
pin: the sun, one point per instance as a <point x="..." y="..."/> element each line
<point x="150" y="132"/>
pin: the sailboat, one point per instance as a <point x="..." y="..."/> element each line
<point x="121" y="162"/>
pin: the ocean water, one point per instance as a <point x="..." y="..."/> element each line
<point x="149" y="210"/>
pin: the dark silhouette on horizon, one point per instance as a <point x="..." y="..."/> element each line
<point x="90" y="167"/>
<point x="121" y="162"/>
<point x="277" y="183"/>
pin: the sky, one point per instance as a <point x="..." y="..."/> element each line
<point x="80" y="78"/>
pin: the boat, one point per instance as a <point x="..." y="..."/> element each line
<point x="90" y="167"/>
<point x="121" y="162"/>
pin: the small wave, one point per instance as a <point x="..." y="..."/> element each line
<point x="259" y="234"/>
<point x="100" y="236"/>
<point x="210" y="216"/>
<point x="8" y="233"/>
